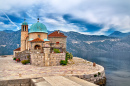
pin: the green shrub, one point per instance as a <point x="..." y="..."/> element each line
<point x="63" y="62"/>
<point x="56" y="50"/>
<point x="14" y="58"/>
<point x="99" y="73"/>
<point x="25" y="61"/>
<point x="95" y="75"/>
<point x="69" y="55"/>
<point x="66" y="59"/>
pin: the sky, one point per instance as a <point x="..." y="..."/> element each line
<point x="90" y="17"/>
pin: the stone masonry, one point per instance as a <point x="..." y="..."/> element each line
<point x="46" y="58"/>
<point x="60" y="40"/>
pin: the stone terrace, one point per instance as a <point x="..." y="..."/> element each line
<point x="10" y="69"/>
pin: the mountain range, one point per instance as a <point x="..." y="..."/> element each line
<point x="78" y="44"/>
<point x="119" y="34"/>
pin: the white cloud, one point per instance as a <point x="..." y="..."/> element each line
<point x="4" y="26"/>
<point x="10" y="20"/>
<point x="3" y="18"/>
<point x="61" y="24"/>
<point x="103" y="12"/>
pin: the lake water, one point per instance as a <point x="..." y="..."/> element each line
<point x="116" y="64"/>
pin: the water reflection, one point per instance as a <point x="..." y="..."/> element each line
<point x="116" y="64"/>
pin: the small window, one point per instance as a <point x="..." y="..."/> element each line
<point x="39" y="36"/>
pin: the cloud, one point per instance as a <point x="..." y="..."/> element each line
<point x="108" y="13"/>
<point x="61" y="24"/>
<point x="11" y="20"/>
<point x="4" y="26"/>
<point x="3" y="18"/>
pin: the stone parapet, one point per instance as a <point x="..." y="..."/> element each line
<point x="55" y="58"/>
<point x="16" y="82"/>
<point x="22" y="55"/>
<point x="46" y="58"/>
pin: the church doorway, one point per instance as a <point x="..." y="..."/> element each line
<point x="37" y="47"/>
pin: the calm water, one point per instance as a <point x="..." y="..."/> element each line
<point x="116" y="64"/>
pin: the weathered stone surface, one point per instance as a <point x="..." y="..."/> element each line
<point x="12" y="69"/>
<point x="87" y="76"/>
<point x="47" y="59"/>
<point x="18" y="81"/>
<point x="3" y="83"/>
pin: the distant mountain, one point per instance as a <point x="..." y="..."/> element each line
<point x="78" y="44"/>
<point x="126" y="39"/>
<point x="9" y="41"/>
<point x="8" y="31"/>
<point x="119" y="34"/>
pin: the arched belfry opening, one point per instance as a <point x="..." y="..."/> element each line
<point x="24" y="26"/>
<point x="37" y="47"/>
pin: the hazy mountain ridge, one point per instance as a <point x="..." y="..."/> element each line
<point x="119" y="34"/>
<point x="78" y="44"/>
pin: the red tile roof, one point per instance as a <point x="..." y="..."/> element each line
<point x="37" y="40"/>
<point x="18" y="49"/>
<point x="56" y="34"/>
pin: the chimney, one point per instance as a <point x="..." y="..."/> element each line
<point x="58" y="31"/>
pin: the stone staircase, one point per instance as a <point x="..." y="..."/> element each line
<point x="60" y="81"/>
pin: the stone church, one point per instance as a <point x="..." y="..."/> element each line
<point x="36" y="43"/>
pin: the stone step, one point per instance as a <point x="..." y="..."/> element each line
<point x="60" y="81"/>
<point x="39" y="82"/>
<point x="80" y="81"/>
<point x="43" y="83"/>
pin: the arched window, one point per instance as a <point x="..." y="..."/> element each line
<point x="25" y="28"/>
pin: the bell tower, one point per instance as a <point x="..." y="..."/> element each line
<point x="24" y="34"/>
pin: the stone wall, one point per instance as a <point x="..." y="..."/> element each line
<point x="38" y="59"/>
<point x="17" y="82"/>
<point x="15" y="52"/>
<point x="35" y="35"/>
<point x="42" y="59"/>
<point x="55" y="58"/>
<point x="46" y="58"/>
<point x="22" y="55"/>
<point x="58" y="39"/>
<point x="97" y="78"/>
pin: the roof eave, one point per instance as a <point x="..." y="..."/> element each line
<point x="56" y="37"/>
<point x="36" y="41"/>
<point x="38" y="32"/>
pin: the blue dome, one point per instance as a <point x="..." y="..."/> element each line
<point x="38" y="27"/>
<point x="24" y="23"/>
